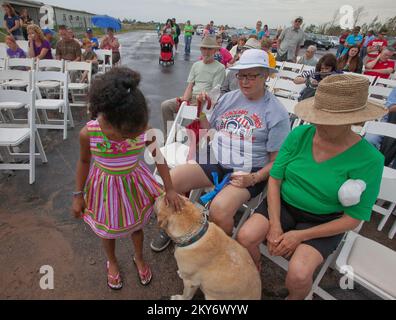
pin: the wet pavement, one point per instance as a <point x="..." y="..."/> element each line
<point x="37" y="229"/>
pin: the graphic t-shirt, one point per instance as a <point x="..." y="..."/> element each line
<point x="247" y="131"/>
<point x="19" y="53"/>
<point x="376" y="43"/>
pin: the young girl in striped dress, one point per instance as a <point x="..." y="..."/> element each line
<point x="115" y="190"/>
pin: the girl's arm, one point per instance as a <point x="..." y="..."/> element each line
<point x="82" y="172"/>
<point x="171" y="195"/>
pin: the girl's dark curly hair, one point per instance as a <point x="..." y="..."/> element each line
<point x="117" y="97"/>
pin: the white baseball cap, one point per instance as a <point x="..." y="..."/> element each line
<point x="253" y="58"/>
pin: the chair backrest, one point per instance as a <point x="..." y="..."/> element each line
<point x="20" y="62"/>
<point x="8" y="75"/>
<point x="279" y="65"/>
<point x="79" y="66"/>
<point x="286" y="74"/>
<point x="27" y="98"/>
<point x="389" y="83"/>
<point x="50" y="63"/>
<point x="23" y="44"/>
<point x="295" y="67"/>
<point x="379" y="93"/>
<point x="185" y="113"/>
<point x="289" y="104"/>
<point x="62" y="77"/>
<point x="288" y="85"/>
<point x="380" y="128"/>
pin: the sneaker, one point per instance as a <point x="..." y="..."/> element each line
<point x="160" y="242"/>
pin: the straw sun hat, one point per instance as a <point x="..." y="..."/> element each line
<point x="340" y="100"/>
<point x="209" y="42"/>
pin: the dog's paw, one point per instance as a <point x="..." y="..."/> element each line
<point x="177" y="297"/>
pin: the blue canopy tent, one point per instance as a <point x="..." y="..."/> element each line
<point x="106" y="22"/>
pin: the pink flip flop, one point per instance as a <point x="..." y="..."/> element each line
<point x="145" y="275"/>
<point x="116" y="278"/>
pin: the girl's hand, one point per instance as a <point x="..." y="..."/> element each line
<point x="174" y="199"/>
<point x="288" y="243"/>
<point x="274" y="233"/>
<point x="78" y="206"/>
<point x="242" y="180"/>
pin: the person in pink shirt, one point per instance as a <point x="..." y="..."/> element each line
<point x="223" y="55"/>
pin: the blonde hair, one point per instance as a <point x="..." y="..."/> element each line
<point x="36" y="29"/>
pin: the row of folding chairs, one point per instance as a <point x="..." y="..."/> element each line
<point x="13" y="136"/>
<point x="58" y="102"/>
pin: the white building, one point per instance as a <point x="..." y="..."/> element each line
<point x="62" y="16"/>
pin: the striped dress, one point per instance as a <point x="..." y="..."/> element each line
<point x="120" y="190"/>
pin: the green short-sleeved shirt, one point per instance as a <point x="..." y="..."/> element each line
<point x="206" y="76"/>
<point x="313" y="187"/>
<point x="188" y="30"/>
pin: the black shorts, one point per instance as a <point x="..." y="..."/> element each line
<point x="223" y="171"/>
<point x="176" y="40"/>
<point x="296" y="219"/>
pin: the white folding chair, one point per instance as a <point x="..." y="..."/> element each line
<point x="104" y="55"/>
<point x="26" y="63"/>
<point x="78" y="89"/>
<point x="295" y="67"/>
<point x="379" y="94"/>
<point x="388" y="183"/>
<point x="389" y="83"/>
<point x="50" y="65"/>
<point x="13" y="135"/>
<point x="279" y="65"/>
<point x="61" y="104"/>
<point x="176" y="149"/>
<point x="286" y="74"/>
<point x="370" y="264"/>
<point x="287" y="89"/>
<point x="15" y="79"/>
<point x="7" y="80"/>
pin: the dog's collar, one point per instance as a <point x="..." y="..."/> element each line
<point x="192" y="237"/>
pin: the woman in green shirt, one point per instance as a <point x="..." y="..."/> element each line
<point x="303" y="218"/>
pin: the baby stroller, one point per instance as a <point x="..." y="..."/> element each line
<point x="166" y="55"/>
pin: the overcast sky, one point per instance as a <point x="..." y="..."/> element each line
<point x="232" y="12"/>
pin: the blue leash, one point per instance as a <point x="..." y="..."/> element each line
<point x="218" y="187"/>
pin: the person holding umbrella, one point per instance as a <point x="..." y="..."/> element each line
<point x="110" y="42"/>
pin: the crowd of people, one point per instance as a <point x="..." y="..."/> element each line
<point x="43" y="42"/>
<point x="303" y="217"/>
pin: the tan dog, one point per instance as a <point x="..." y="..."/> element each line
<point x="217" y="264"/>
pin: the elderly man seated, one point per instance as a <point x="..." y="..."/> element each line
<point x="309" y="57"/>
<point x="204" y="76"/>
<point x="248" y="127"/>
